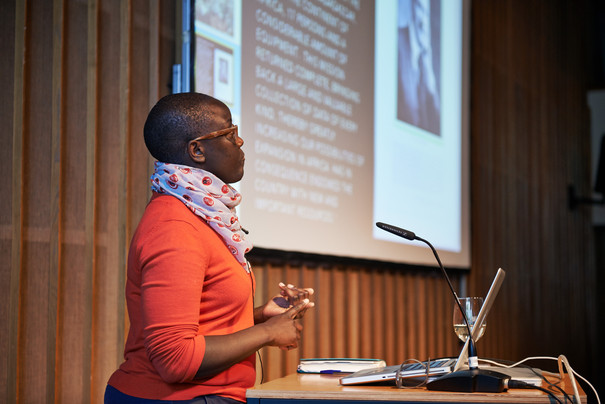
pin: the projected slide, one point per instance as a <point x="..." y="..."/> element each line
<point x="351" y="112"/>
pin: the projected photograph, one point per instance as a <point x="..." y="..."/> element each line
<point x="214" y="73"/>
<point x="217" y="14"/>
<point x="420" y="174"/>
<point x="418" y="89"/>
<point x="223" y="76"/>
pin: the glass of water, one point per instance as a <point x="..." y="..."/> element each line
<point x="471" y="307"/>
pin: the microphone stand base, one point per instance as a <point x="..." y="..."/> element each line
<point x="470" y="381"/>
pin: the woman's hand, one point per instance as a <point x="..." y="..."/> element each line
<point x="286" y="328"/>
<point x="288" y="296"/>
<point x="283" y="330"/>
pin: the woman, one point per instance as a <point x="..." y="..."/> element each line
<point x="193" y="329"/>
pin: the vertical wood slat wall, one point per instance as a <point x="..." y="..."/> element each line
<point x="80" y="78"/>
<point x="531" y="66"/>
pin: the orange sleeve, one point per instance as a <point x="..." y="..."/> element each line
<point x="174" y="264"/>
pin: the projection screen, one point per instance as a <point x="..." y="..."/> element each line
<point x="352" y="112"/>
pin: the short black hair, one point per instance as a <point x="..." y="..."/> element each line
<point x="174" y="121"/>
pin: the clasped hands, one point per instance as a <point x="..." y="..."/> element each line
<point x="283" y="312"/>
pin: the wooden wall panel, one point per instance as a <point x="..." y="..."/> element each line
<point x="83" y="74"/>
<point x="38" y="278"/>
<point x="141" y="86"/>
<point x="399" y="337"/>
<point x="337" y="313"/>
<point x="389" y="296"/>
<point x="354" y="302"/>
<point x="74" y="115"/>
<point x="531" y="68"/>
<point x="109" y="182"/>
<point x="73" y="361"/>
<point x="13" y="18"/>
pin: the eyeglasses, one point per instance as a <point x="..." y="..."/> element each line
<point x="222" y="132"/>
<point x="404" y="382"/>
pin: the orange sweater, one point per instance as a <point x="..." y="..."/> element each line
<point x="183" y="284"/>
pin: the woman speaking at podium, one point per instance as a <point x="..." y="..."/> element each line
<point x="194" y="330"/>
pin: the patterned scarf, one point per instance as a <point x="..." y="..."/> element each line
<point x="208" y="197"/>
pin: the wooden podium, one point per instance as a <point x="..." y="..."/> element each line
<point x="325" y="389"/>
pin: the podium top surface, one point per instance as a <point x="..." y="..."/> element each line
<point x="324" y="387"/>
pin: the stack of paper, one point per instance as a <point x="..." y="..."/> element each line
<point x="337" y="365"/>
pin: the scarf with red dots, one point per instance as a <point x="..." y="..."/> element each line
<point x="208" y="197"/>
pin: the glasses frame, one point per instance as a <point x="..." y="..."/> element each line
<point x="218" y="133"/>
<point x="413" y="382"/>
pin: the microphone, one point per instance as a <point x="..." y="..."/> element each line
<point x="469" y="380"/>
<point x="397" y="231"/>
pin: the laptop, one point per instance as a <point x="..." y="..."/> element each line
<point x="436" y="367"/>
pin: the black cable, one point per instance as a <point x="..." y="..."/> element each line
<point x="555" y="386"/>
<point x="262" y="372"/>
<point x="518" y="384"/>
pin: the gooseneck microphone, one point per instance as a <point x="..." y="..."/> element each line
<point x="398" y="231"/>
<point x="472" y="354"/>
<point x="472" y="379"/>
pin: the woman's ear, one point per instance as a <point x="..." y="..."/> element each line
<point x="196" y="151"/>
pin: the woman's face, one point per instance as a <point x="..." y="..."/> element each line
<point x="224" y="156"/>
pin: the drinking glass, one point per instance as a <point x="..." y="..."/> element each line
<point x="471" y="306"/>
